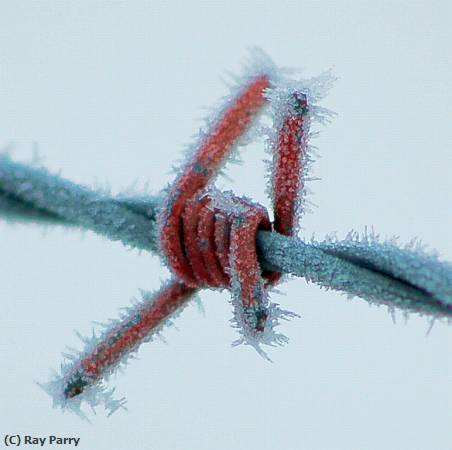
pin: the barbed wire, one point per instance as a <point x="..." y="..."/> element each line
<point x="407" y="278"/>
<point x="213" y="239"/>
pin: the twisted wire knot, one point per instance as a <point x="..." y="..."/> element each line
<point x="219" y="240"/>
<point x="209" y="237"/>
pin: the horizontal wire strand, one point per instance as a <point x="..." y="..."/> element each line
<point x="415" y="281"/>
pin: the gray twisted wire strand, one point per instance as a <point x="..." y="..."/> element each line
<point x="379" y="272"/>
<point x="31" y="193"/>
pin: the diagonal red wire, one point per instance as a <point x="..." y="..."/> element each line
<point x="209" y="238"/>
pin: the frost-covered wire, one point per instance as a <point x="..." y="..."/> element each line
<point x="401" y="276"/>
<point x="28" y="192"/>
<point x="217" y="240"/>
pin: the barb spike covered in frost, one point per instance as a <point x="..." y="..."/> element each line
<point x="212" y="239"/>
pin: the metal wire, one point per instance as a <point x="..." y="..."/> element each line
<point x="407" y="278"/>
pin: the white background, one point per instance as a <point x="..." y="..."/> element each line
<point x="113" y="92"/>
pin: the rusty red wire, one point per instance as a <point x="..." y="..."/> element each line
<point x="209" y="237"/>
